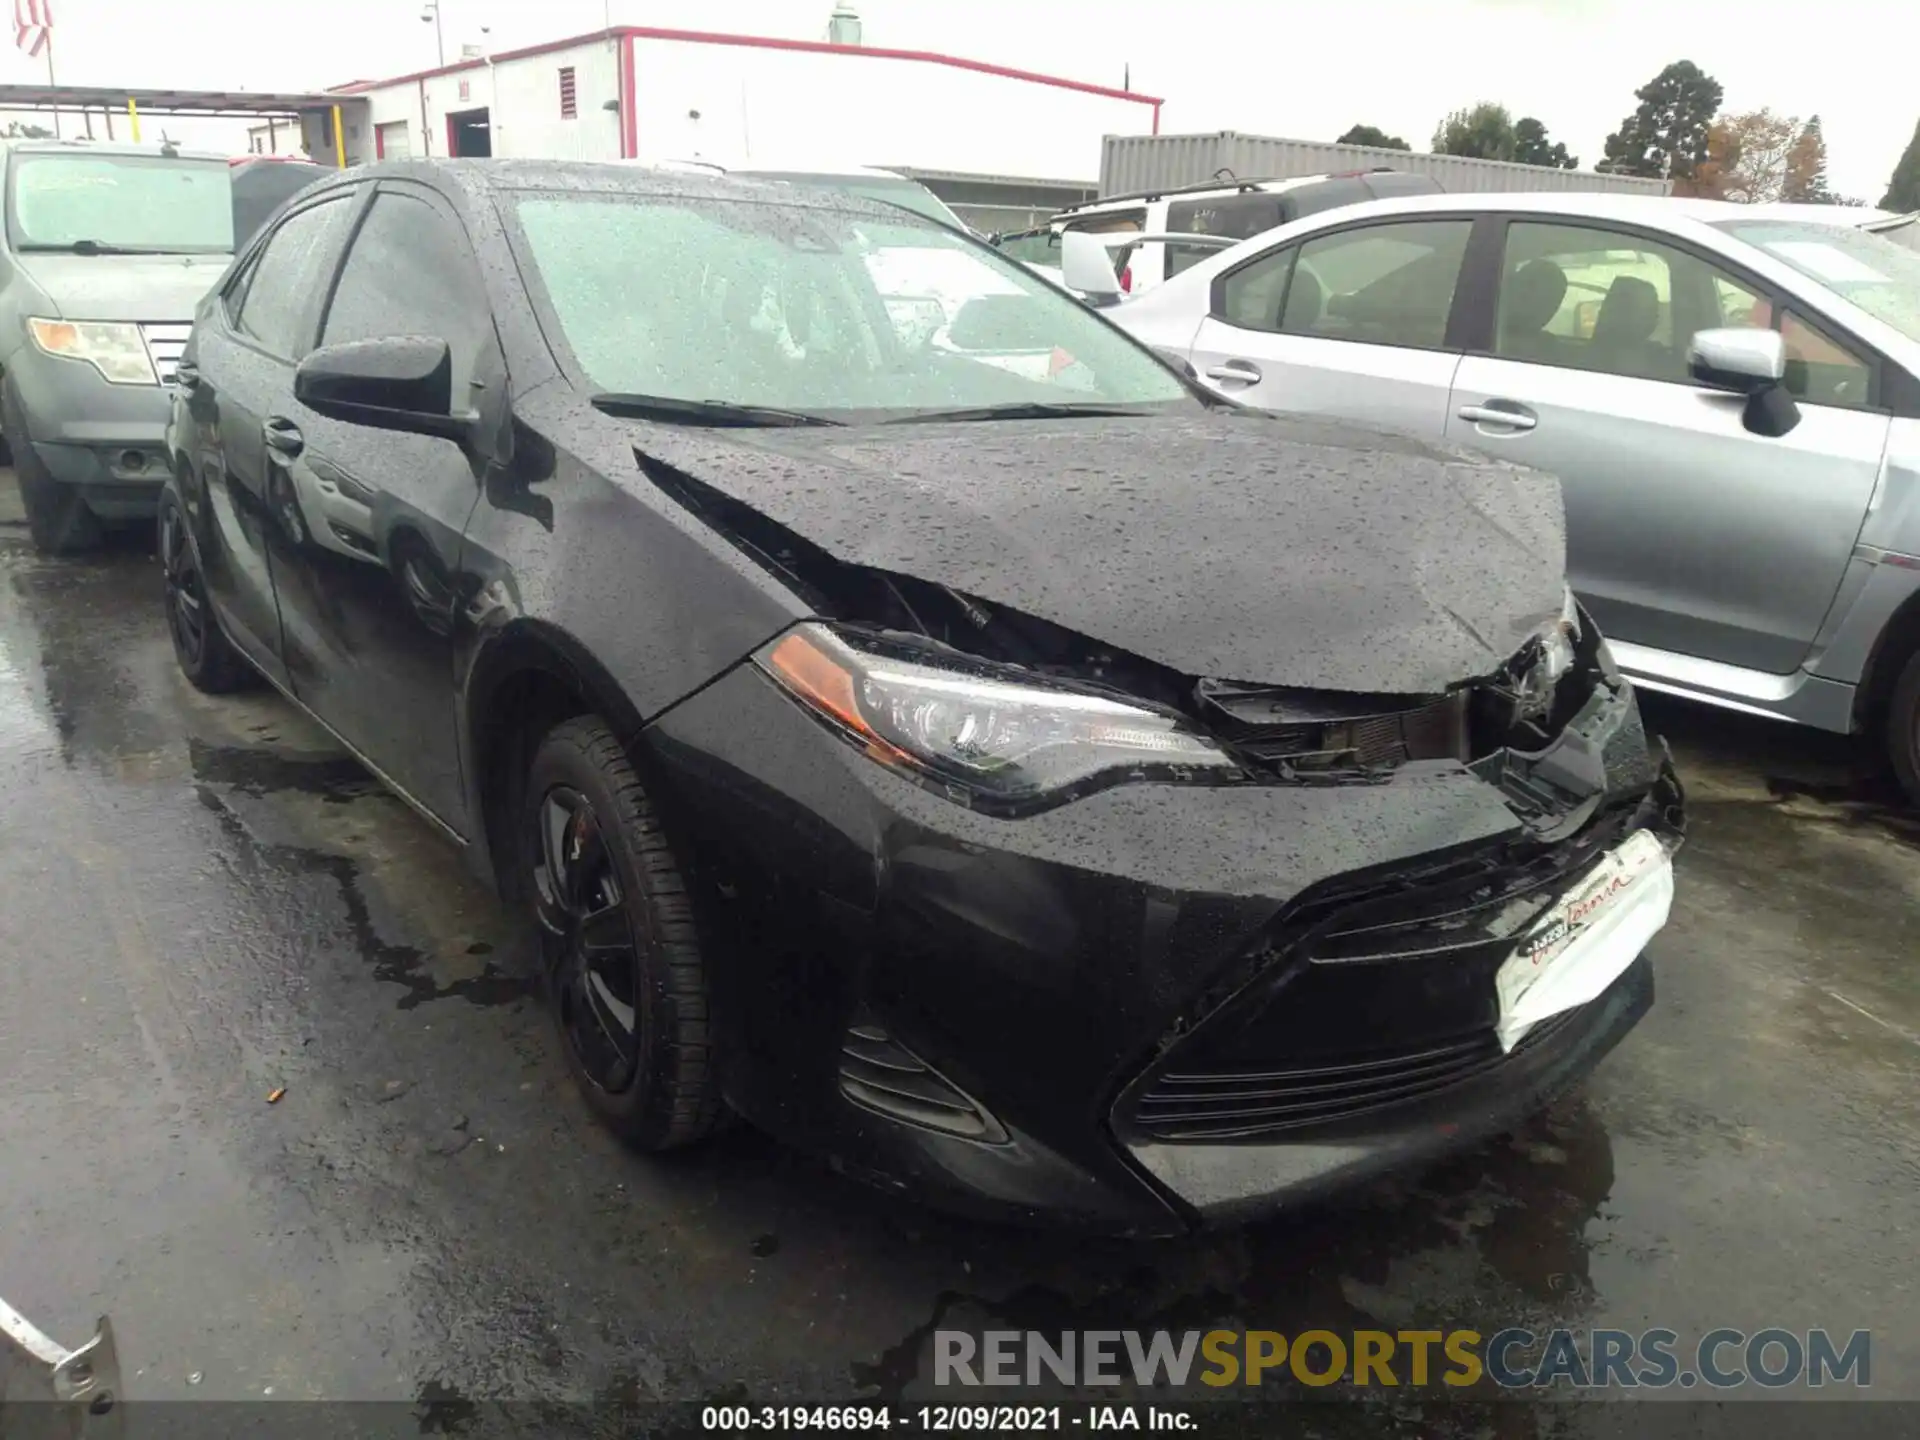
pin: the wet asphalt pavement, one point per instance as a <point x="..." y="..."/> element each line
<point x="202" y="901"/>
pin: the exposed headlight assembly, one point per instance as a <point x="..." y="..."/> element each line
<point x="115" y="348"/>
<point x="978" y="737"/>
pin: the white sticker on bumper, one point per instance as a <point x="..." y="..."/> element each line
<point x="1587" y="940"/>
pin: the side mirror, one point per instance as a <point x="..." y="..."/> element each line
<point x="1749" y="362"/>
<point x="1087" y="268"/>
<point x="1742" y="361"/>
<point x="404" y="382"/>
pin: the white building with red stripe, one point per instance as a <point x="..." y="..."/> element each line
<point x="740" y="101"/>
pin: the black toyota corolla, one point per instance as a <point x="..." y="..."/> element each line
<point x="917" y="718"/>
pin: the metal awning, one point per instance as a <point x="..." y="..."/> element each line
<point x="224" y="104"/>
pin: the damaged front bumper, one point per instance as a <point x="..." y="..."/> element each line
<point x="81" y="1388"/>
<point x="972" y="1009"/>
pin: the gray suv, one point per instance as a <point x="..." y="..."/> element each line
<point x="1730" y="395"/>
<point x="106" y="250"/>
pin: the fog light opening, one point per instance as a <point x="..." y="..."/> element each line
<point x="133" y="461"/>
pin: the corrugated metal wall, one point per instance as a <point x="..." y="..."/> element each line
<point x="1130" y="163"/>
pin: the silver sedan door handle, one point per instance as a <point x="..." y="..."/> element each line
<point x="1238" y="372"/>
<point x="1514" y="419"/>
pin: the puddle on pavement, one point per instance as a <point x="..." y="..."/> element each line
<point x="403" y="965"/>
<point x="251" y="771"/>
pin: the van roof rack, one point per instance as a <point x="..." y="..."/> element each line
<point x="1222" y="182"/>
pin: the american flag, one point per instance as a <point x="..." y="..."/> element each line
<point x="32" y="25"/>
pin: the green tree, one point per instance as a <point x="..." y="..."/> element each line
<point x="1903" y="190"/>
<point x="1482" y="132"/>
<point x="1806" y="177"/>
<point x="1667" y="132"/>
<point x="1530" y="146"/>
<point x="1374" y="136"/>
<point x="21" y="130"/>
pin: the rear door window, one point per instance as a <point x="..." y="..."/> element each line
<point x="280" y="305"/>
<point x="1387" y="284"/>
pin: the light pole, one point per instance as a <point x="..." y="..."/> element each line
<point x="430" y="10"/>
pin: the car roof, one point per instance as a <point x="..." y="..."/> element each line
<point x="1652" y="210"/>
<point x="52" y="146"/>
<point x="838" y="172"/>
<point x="473" y="179"/>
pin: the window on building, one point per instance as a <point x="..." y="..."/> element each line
<point x="569" y="94"/>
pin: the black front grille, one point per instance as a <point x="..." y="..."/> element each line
<point x="1364" y="999"/>
<point x="1180" y="1107"/>
<point x="879" y="1073"/>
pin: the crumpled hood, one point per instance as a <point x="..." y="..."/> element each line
<point x="1267" y="550"/>
<point x="154" y="288"/>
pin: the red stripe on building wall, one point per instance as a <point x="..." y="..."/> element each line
<point x="767" y="42"/>
<point x="629" y="102"/>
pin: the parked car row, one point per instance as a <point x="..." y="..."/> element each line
<point x="976" y="751"/>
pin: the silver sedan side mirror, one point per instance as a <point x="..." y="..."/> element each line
<point x="1741" y="360"/>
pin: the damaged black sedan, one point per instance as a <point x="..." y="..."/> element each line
<point x="917" y="718"/>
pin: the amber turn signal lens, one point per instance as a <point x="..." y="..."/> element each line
<point x="827" y="685"/>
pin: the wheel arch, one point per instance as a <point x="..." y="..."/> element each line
<point x="1898" y="639"/>
<point x="524" y="681"/>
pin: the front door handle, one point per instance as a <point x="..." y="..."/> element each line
<point x="1500" y="412"/>
<point x="283" y="437"/>
<point x="1235" y="372"/>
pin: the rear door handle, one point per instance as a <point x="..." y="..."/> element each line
<point x="283" y="436"/>
<point x="1500" y="412"/>
<point x="1237" y="372"/>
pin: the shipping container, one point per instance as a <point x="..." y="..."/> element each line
<point x="1131" y="164"/>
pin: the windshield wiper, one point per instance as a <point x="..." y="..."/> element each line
<point x="1022" y="410"/>
<point x="88" y="247"/>
<point x="675" y="410"/>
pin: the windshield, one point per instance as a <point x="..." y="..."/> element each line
<point x="1871" y="271"/>
<point x="149" y="203"/>
<point x="812" y="309"/>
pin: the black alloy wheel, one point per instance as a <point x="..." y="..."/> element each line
<point x="623" y="962"/>
<point x="207" y="658"/>
<point x="593" y="950"/>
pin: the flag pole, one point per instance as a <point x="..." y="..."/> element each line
<point x="52" y="84"/>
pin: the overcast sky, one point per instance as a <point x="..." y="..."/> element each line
<point x="1297" y="68"/>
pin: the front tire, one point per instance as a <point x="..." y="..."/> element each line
<point x="207" y="658"/>
<point x="57" y="515"/>
<point x="624" y="966"/>
<point x="1903" y="728"/>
